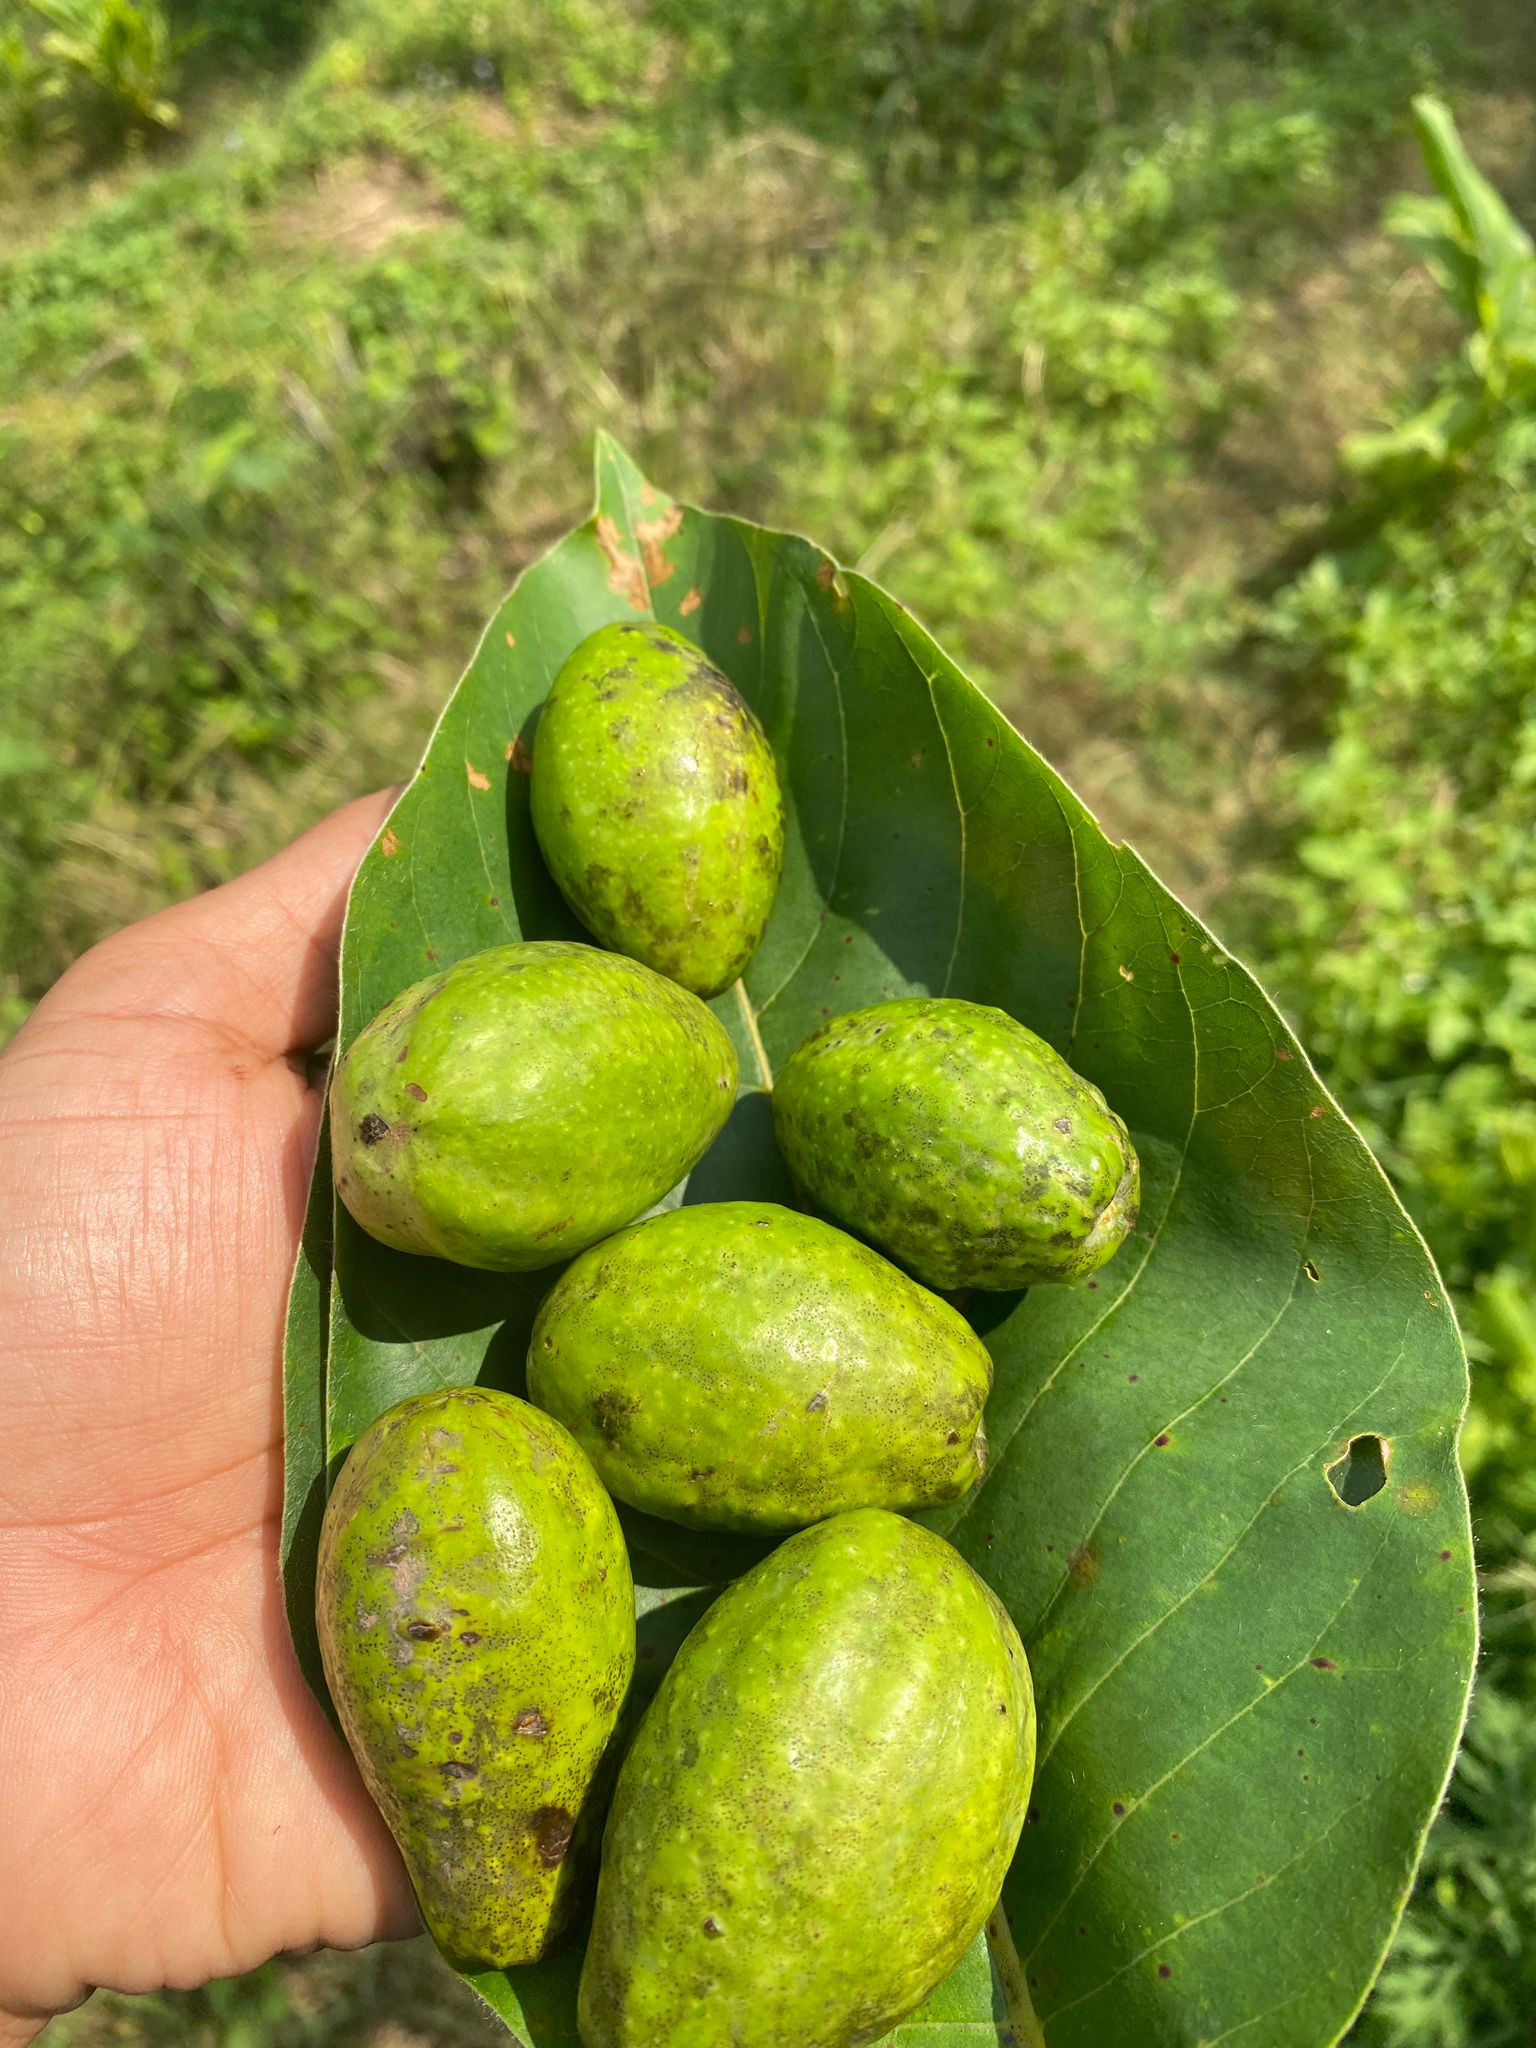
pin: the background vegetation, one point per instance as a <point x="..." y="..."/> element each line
<point x="1074" y="320"/>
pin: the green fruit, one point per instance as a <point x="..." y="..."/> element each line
<point x="739" y="1366"/>
<point x="656" y="804"/>
<point x="820" y="1806"/>
<point x="525" y="1103"/>
<point x="476" y="1618"/>
<point x="959" y="1142"/>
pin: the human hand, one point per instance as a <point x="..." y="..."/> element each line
<point x="173" y="1804"/>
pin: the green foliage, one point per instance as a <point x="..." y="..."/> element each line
<point x="105" y="64"/>
<point x="1407" y="937"/>
<point x="282" y="415"/>
<point x="383" y="1996"/>
<point x="1464" y="1969"/>
<point x="993" y="90"/>
<point x="23" y="90"/>
<point x="1483" y="261"/>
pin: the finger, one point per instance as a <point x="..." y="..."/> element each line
<point x="253" y="961"/>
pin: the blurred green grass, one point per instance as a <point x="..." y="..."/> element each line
<point x="400" y="1996"/>
<point x="1050" y="315"/>
<point x="1054" y="316"/>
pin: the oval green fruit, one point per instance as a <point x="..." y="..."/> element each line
<point x="656" y="804"/>
<point x="476" y="1619"/>
<point x="959" y="1142"/>
<point x="820" y="1806"/>
<point x="736" y="1365"/>
<point x="525" y="1103"/>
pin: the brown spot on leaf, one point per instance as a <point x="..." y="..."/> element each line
<point x="817" y="1402"/>
<point x="1127" y="974"/>
<point x="1083" y="1565"/>
<point x="511" y="639"/>
<point x="476" y="779"/>
<point x="422" y="1631"/>
<point x="552" y="1831"/>
<point x="372" y="1128"/>
<point x="415" y="1090"/>
<point x="744" y="635"/>
<point x="651" y="533"/>
<point x="454" y="1769"/>
<point x="1064" y="1125"/>
<point x="626" y="578"/>
<point x="691" y="602"/>
<point x="519" y="756"/>
<point x="531" y="1722"/>
<point x="1283" y="1052"/>
<point x="713" y="1928"/>
<point x="1318" y="1111"/>
<point x="1324" y="1664"/>
<point x="389" y="845"/>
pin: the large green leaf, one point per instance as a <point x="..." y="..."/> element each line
<point x="1252" y="1668"/>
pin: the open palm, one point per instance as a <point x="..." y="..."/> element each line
<point x="174" y="1806"/>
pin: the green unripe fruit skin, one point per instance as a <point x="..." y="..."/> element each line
<point x="736" y="1365"/>
<point x="821" y="1804"/>
<point x="959" y="1142"/>
<point x="476" y="1619"/>
<point x="532" y="1099"/>
<point x="656" y="804"/>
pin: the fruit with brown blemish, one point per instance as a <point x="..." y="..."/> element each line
<point x="656" y="804"/>
<point x="736" y="1365"/>
<point x="476" y="1620"/>
<point x="959" y="1142"/>
<point x="818" y="1811"/>
<point x="523" y="1104"/>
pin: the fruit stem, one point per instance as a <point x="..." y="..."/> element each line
<point x="1022" y="2023"/>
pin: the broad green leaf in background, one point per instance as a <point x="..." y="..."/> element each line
<point x="1224" y="1505"/>
<point x="1483" y="260"/>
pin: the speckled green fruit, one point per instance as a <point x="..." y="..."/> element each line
<point x="525" y="1103"/>
<point x="476" y="1618"/>
<point x="656" y="804"/>
<point x="819" y="1809"/>
<point x="959" y="1142"/>
<point x="739" y="1366"/>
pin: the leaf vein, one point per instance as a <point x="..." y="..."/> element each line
<point x="1269" y="1691"/>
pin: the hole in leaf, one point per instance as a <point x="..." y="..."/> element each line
<point x="1362" y="1471"/>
